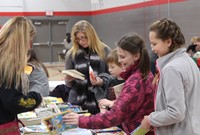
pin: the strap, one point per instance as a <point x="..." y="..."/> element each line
<point x="19" y="121"/>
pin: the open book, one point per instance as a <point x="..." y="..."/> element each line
<point x="74" y="73"/>
<point x="118" y="89"/>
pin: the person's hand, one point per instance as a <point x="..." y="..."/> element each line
<point x="97" y="81"/>
<point x="105" y="103"/>
<point x="103" y="110"/>
<point x="145" y="124"/>
<point x="71" y="119"/>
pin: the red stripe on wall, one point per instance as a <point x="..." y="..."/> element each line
<point x="135" y="6"/>
<point x="97" y="12"/>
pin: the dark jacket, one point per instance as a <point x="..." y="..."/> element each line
<point x="134" y="102"/>
<point x="83" y="90"/>
<point x="13" y="102"/>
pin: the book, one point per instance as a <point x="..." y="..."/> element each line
<point x="35" y="130"/>
<point x="93" y="76"/>
<point x="74" y="73"/>
<point x="139" y="131"/>
<point x="55" y="124"/>
<point x="118" y="89"/>
<point x="111" y="130"/>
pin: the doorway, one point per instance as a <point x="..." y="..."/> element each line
<point x="48" y="41"/>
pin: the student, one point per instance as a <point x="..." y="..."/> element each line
<point x="115" y="69"/>
<point x="177" y="105"/>
<point x="87" y="50"/>
<point x="136" y="99"/>
<point x="38" y="79"/>
<point x="15" y="37"/>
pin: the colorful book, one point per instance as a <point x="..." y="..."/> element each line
<point x="55" y="124"/>
<point x="139" y="131"/>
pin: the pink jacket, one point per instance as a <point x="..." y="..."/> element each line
<point x="135" y="101"/>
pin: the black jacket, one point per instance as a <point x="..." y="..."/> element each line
<point x="13" y="102"/>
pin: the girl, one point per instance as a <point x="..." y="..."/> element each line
<point x="177" y="98"/>
<point x="15" y="39"/>
<point x="136" y="99"/>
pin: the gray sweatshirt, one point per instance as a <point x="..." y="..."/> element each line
<point x="38" y="81"/>
<point x="177" y="106"/>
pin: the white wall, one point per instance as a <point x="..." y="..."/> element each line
<point x="62" y="5"/>
<point x="11" y="5"/>
<point x="43" y="5"/>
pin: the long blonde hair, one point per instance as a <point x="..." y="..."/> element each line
<point x="94" y="42"/>
<point x="15" y="37"/>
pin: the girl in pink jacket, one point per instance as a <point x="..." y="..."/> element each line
<point x="136" y="98"/>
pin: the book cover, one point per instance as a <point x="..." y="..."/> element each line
<point x="118" y="89"/>
<point x="139" y="131"/>
<point x="55" y="123"/>
<point x="74" y="73"/>
<point x="92" y="74"/>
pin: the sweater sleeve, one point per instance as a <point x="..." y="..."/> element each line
<point x="173" y="89"/>
<point x="129" y="98"/>
<point x="15" y="102"/>
<point x="38" y="82"/>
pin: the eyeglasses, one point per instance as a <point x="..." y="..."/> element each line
<point x="83" y="38"/>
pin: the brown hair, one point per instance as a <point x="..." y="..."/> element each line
<point x="35" y="61"/>
<point x="167" y="29"/>
<point x="113" y="58"/>
<point x="133" y="43"/>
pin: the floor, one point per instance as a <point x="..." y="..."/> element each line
<point x="54" y="70"/>
<point x="55" y="75"/>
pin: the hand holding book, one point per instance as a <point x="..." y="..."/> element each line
<point x="139" y="131"/>
<point x="94" y="79"/>
<point x="71" y="118"/>
<point x="144" y="128"/>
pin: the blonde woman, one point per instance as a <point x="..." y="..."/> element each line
<point x="87" y="50"/>
<point x="15" y="37"/>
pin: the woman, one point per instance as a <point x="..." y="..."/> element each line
<point x="136" y="98"/>
<point x="177" y="97"/>
<point x="15" y="38"/>
<point x="87" y="51"/>
<point x="38" y="79"/>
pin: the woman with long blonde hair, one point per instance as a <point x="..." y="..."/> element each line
<point x="15" y="38"/>
<point x="87" y="51"/>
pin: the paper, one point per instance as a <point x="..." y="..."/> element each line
<point x="118" y="89"/>
<point x="74" y="73"/>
